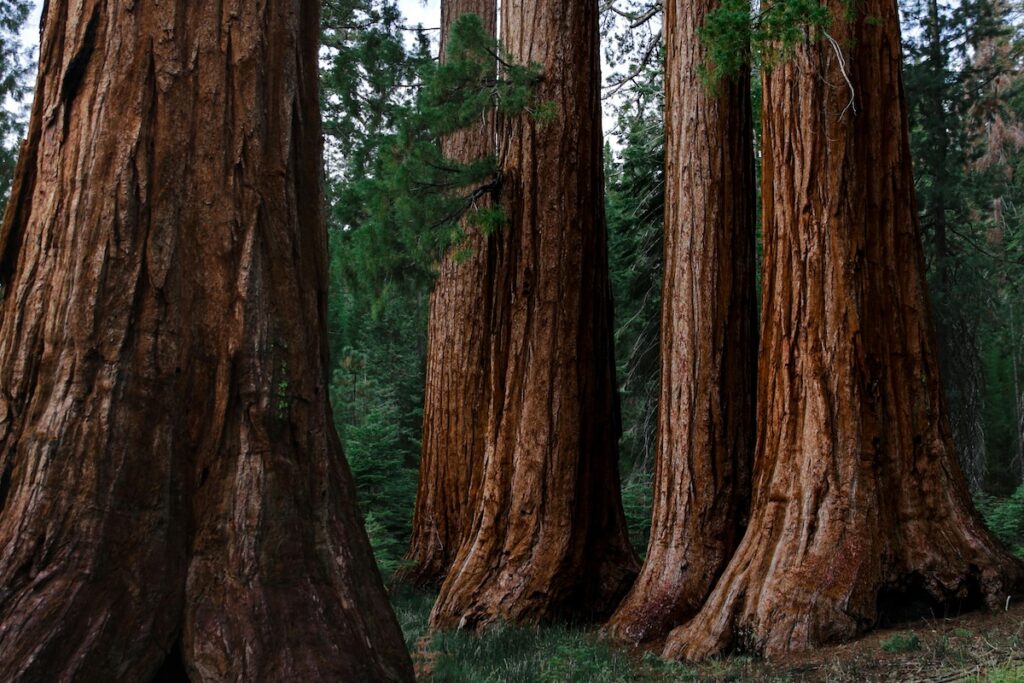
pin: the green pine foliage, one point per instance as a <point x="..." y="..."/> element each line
<point x="378" y="347"/>
<point x="1005" y="517"/>
<point x="369" y="64"/>
<point x="736" y="38"/>
<point x="15" y="63"/>
<point x="407" y="207"/>
<point x="396" y="204"/>
<point x="376" y="327"/>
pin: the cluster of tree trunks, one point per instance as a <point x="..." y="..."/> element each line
<point x="455" y="398"/>
<point x="548" y="535"/>
<point x="173" y="496"/>
<point x="860" y="510"/>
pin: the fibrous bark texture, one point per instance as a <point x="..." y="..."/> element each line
<point x="706" y="428"/>
<point x="549" y="536"/>
<point x="458" y="348"/>
<point x="171" y="478"/>
<point x="860" y="510"/>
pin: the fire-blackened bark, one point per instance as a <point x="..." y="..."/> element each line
<point x="172" y="480"/>
<point x="860" y="510"/>
<point x="706" y="428"/>
<point x="549" y="536"/>
<point x="458" y="347"/>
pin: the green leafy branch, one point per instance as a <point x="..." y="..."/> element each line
<point x="416" y="202"/>
<point x="735" y="38"/>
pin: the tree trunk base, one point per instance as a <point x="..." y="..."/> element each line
<point x="771" y="604"/>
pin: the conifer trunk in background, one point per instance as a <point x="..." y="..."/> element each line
<point x="706" y="426"/>
<point x="458" y="345"/>
<point x="957" y="346"/>
<point x="171" y="478"/>
<point x="860" y="510"/>
<point x="549" y="536"/>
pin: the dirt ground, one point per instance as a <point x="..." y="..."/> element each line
<point x="975" y="646"/>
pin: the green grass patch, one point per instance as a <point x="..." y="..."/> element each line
<point x="412" y="607"/>
<point x="557" y="653"/>
<point x="902" y="642"/>
<point x="1012" y="673"/>
<point x="553" y="654"/>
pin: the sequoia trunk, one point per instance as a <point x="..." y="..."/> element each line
<point x="458" y="346"/>
<point x="171" y="478"/>
<point x="860" y="510"/>
<point x="706" y="426"/>
<point x="549" y="535"/>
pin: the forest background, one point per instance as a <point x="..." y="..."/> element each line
<point x="965" y="85"/>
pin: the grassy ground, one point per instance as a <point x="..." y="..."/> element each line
<point x="975" y="647"/>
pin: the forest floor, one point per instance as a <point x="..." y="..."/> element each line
<point x="979" y="646"/>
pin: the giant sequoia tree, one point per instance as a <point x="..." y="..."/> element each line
<point x="455" y="397"/>
<point x="171" y="479"/>
<point x="548" y="535"/>
<point x="860" y="509"/>
<point x="708" y="338"/>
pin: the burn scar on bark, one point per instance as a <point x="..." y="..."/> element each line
<point x="75" y="72"/>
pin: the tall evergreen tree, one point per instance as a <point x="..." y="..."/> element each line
<point x="456" y="393"/>
<point x="174" y="498"/>
<point x="935" y="93"/>
<point x="370" y="62"/>
<point x="635" y="200"/>
<point x="860" y="510"/>
<point x="709" y="338"/>
<point x="549" y="536"/>
<point x="993" y="240"/>
<point x="407" y="213"/>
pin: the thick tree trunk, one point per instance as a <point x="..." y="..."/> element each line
<point x="706" y="425"/>
<point x="171" y="477"/>
<point x="860" y="510"/>
<point x="458" y="346"/>
<point x="549" y="536"/>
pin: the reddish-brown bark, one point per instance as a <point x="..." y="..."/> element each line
<point x="549" y="536"/>
<point x="860" y="510"/>
<point x="706" y="427"/>
<point x="171" y="477"/>
<point x="458" y="345"/>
